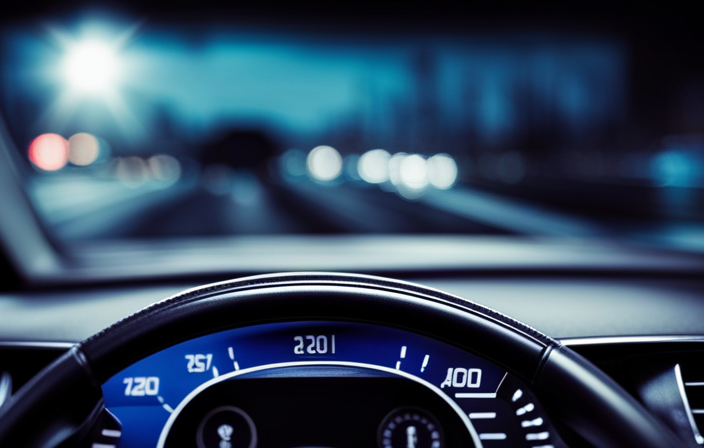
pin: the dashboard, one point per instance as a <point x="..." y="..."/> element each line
<point x="329" y="360"/>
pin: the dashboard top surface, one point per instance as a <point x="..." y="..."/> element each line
<point x="561" y="308"/>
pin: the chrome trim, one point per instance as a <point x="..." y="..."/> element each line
<point x="572" y="342"/>
<point x="37" y="344"/>
<point x="680" y="386"/>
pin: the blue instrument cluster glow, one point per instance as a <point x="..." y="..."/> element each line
<point x="144" y="395"/>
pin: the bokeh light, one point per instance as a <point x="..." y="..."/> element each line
<point x="49" y="152"/>
<point x="673" y="169"/>
<point x="132" y="171"/>
<point x="414" y="172"/>
<point x="373" y="166"/>
<point x="83" y="149"/>
<point x="292" y="164"/>
<point x="324" y="163"/>
<point x="442" y="171"/>
<point x="165" y="168"/>
<point x="395" y="168"/>
<point x="91" y="67"/>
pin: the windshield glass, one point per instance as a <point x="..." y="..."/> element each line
<point x="125" y="127"/>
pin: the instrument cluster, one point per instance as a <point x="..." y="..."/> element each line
<point x="322" y="384"/>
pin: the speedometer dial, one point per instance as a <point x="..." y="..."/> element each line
<point x="335" y="384"/>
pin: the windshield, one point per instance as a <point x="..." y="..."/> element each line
<point x="132" y="128"/>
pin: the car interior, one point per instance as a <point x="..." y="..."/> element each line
<point x="350" y="225"/>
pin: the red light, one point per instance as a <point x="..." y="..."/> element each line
<point x="49" y="152"/>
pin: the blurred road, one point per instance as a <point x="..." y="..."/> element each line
<point x="86" y="208"/>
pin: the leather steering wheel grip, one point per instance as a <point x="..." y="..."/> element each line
<point x="55" y="403"/>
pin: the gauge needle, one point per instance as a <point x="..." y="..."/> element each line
<point x="411" y="437"/>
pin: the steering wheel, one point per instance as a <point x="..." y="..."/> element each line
<point x="56" y="403"/>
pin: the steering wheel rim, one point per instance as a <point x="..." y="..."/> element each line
<point x="64" y="394"/>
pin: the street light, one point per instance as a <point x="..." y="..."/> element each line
<point x="91" y="67"/>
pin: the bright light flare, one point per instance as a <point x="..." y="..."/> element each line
<point x="442" y="171"/>
<point x="373" y="166"/>
<point x="91" y="67"/>
<point x="324" y="163"/>
<point x="49" y="152"/>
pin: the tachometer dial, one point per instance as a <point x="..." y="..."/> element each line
<point x="410" y="428"/>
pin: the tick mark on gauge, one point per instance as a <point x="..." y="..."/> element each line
<point x="475" y="395"/>
<point x="215" y="372"/>
<point x="112" y="433"/>
<point x="168" y="408"/>
<point x="493" y="436"/>
<point x="403" y="355"/>
<point x="517" y="395"/>
<point x="231" y="352"/>
<point x="525" y="409"/>
<point x="482" y="415"/>
<point x="535" y="422"/>
<point x="425" y="363"/>
<point x="538" y="436"/>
